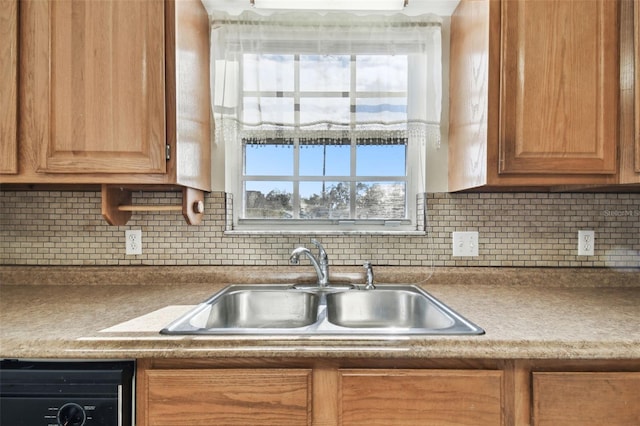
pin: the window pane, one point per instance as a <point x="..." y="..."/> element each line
<point x="269" y="159"/>
<point x="324" y="73"/>
<point x="268" y="200"/>
<point x="383" y="73"/>
<point x="272" y="110"/>
<point x="268" y="73"/>
<point x="381" y="110"/>
<point x="381" y="200"/>
<point x="324" y="200"/>
<point x="324" y="108"/>
<point x="325" y="159"/>
<point x="335" y="110"/>
<point x="381" y="160"/>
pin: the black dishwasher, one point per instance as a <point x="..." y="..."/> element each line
<point x="66" y="393"/>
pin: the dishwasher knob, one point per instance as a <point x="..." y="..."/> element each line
<point x="71" y="414"/>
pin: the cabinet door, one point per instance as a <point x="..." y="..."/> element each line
<point x="637" y="85"/>
<point x="559" y="87"/>
<point x="225" y="397"/>
<point x="629" y="74"/>
<point x="584" y="399"/>
<point x="420" y="397"/>
<point x="106" y="87"/>
<point x="8" y="86"/>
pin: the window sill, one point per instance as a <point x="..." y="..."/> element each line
<point x="397" y="232"/>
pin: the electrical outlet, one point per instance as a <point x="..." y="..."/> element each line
<point x="133" y="241"/>
<point x="586" y="243"/>
<point x="465" y="244"/>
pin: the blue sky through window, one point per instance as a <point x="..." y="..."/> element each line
<point x="277" y="160"/>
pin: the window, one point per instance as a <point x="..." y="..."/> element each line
<point x="322" y="134"/>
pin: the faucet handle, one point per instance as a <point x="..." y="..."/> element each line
<point x="369" y="286"/>
<point x="323" y="253"/>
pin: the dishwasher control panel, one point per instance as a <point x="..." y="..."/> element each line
<point x="77" y="393"/>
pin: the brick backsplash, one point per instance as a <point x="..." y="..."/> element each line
<point x="516" y="229"/>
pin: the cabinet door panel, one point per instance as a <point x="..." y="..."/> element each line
<point x="8" y="86"/>
<point x="228" y="397"/>
<point x="560" y="87"/>
<point x="637" y="84"/>
<point x="428" y="397"/>
<point x="584" y="399"/>
<point x="106" y="106"/>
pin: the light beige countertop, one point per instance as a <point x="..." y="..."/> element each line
<point x="117" y="312"/>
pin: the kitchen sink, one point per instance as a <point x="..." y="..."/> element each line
<point x="289" y="310"/>
<point x="386" y="308"/>
<point x="259" y="309"/>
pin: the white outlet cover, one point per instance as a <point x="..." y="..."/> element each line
<point x="133" y="242"/>
<point x="586" y="243"/>
<point x="465" y="244"/>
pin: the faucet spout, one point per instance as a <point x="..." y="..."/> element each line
<point x="321" y="266"/>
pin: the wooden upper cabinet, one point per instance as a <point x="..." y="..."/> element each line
<point x="9" y="86"/>
<point x="188" y="99"/>
<point x="107" y="93"/>
<point x="106" y="88"/>
<point x="559" y="94"/>
<point x="629" y="78"/>
<point x="534" y="94"/>
<point x="637" y="85"/>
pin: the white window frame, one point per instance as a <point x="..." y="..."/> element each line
<point x="414" y="179"/>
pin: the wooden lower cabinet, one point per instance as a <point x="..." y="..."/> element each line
<point x="226" y="397"/>
<point x="420" y="397"/>
<point x="199" y="393"/>
<point x="586" y="398"/>
<point x="390" y="392"/>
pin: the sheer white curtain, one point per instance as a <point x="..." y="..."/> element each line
<point x="254" y="87"/>
<point x="325" y="77"/>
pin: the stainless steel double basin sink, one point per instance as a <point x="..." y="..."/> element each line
<point x="282" y="309"/>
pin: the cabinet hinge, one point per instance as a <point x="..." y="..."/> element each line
<point x="167" y="151"/>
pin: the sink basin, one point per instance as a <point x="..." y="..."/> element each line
<point x="385" y="308"/>
<point x="259" y="309"/>
<point x="263" y="307"/>
<point x="285" y="310"/>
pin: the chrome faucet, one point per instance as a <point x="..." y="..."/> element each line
<point x="369" y="275"/>
<point x="320" y="264"/>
